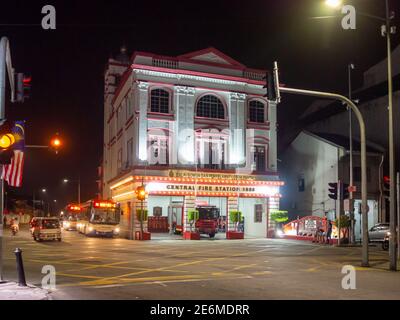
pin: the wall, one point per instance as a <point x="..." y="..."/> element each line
<point x="317" y="162"/>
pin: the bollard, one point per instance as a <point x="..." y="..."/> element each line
<point x="20" y="268"/>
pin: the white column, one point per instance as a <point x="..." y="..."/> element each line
<point x="237" y="125"/>
<point x="184" y="125"/>
<point x="143" y="93"/>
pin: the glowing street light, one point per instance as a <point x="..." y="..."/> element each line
<point x="333" y="3"/>
<point x="44" y="190"/>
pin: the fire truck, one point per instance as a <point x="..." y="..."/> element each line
<point x="208" y="220"/>
<point x="207" y="223"/>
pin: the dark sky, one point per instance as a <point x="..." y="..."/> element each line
<point x="67" y="64"/>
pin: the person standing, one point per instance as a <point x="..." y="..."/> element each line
<point x="329" y="232"/>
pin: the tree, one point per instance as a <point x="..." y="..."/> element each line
<point x="235" y="216"/>
<point x="193" y="216"/>
<point x="141" y="215"/>
<point x="279" y="216"/>
<point x="344" y="224"/>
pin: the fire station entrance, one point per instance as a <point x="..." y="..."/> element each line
<point x="167" y="220"/>
<point x="225" y="205"/>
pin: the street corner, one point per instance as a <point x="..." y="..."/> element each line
<point x="12" y="291"/>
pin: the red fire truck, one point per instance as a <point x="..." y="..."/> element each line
<point x="208" y="220"/>
<point x="207" y="223"/>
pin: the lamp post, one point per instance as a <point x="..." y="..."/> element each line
<point x="78" y="181"/>
<point x="387" y="31"/>
<point x="351" y="202"/>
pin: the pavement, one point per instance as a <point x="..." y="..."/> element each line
<point x="102" y="268"/>
<point x="11" y="291"/>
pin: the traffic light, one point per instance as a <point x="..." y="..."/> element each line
<point x="141" y="193"/>
<point x="55" y="143"/>
<point x="344" y="191"/>
<point x="333" y="189"/>
<point x="272" y="84"/>
<point x="7" y="141"/>
<point x="23" y="87"/>
<point x="386" y="186"/>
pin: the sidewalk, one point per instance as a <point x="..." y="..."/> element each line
<point x="11" y="291"/>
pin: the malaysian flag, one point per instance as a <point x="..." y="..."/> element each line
<point x="12" y="173"/>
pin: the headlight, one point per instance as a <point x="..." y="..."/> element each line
<point x="90" y="228"/>
<point x="279" y="233"/>
<point x="116" y="230"/>
<point x="67" y="224"/>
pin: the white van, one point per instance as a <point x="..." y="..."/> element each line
<point x="45" y="228"/>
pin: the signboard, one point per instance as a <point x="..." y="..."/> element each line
<point x="154" y="187"/>
<point x="208" y="175"/>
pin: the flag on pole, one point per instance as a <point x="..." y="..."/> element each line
<point x="12" y="173"/>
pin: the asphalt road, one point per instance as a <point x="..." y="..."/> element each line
<point x="97" y="268"/>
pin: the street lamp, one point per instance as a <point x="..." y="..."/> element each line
<point x="66" y="180"/>
<point x="44" y="190"/>
<point x="333" y="3"/>
<point x="387" y="30"/>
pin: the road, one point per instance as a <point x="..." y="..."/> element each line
<point x="97" y="268"/>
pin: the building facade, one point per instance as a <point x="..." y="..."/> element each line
<point x="193" y="129"/>
<point x="312" y="161"/>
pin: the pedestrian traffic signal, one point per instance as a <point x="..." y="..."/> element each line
<point x="141" y="193"/>
<point x="333" y="189"/>
<point x="7" y="141"/>
<point x="345" y="194"/>
<point x="23" y="87"/>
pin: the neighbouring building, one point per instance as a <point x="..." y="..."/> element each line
<point x="372" y="98"/>
<point x="312" y="161"/>
<point x="194" y="129"/>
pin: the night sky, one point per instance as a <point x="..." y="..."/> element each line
<point x="67" y="64"/>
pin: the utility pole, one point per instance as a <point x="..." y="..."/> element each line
<point x="398" y="214"/>
<point x="5" y="63"/>
<point x="387" y="31"/>
<point x="351" y="202"/>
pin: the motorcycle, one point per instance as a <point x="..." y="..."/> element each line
<point x="385" y="243"/>
<point x="14" y="229"/>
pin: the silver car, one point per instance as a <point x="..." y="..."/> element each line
<point x="379" y="233"/>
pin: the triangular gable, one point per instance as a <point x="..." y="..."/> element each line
<point x="211" y="55"/>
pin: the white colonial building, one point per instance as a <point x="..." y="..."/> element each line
<point x="195" y="128"/>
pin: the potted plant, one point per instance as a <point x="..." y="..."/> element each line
<point x="343" y="224"/>
<point x="141" y="215"/>
<point x="235" y="217"/>
<point x="193" y="216"/>
<point x="279" y="217"/>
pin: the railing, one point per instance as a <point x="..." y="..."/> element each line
<point x="253" y="75"/>
<point x="163" y="63"/>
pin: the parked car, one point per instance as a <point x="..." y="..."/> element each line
<point x="379" y="233"/>
<point x="45" y="228"/>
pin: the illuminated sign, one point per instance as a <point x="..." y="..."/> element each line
<point x="104" y="204"/>
<point x="208" y="175"/>
<point x="155" y="187"/>
<point x="74" y="208"/>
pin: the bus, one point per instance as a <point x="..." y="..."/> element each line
<point x="99" y="218"/>
<point x="70" y="217"/>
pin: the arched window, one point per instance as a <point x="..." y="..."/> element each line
<point x="210" y="106"/>
<point x="159" y="101"/>
<point x="256" y="111"/>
